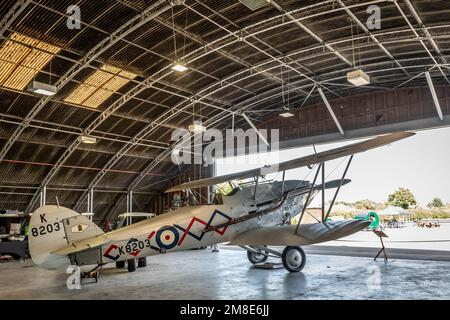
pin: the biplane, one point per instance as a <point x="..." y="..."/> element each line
<point x="252" y="216"/>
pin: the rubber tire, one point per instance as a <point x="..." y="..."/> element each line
<point x="131" y="265"/>
<point x="142" y="262"/>
<point x="120" y="264"/>
<point x="253" y="260"/>
<point x="284" y="256"/>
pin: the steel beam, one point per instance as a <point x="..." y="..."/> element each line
<point x="255" y="129"/>
<point x="101" y="47"/>
<point x="311" y="33"/>
<point x="434" y="95"/>
<point x="108" y="42"/>
<point x="153" y="164"/>
<point x="330" y="110"/>
<point x="425" y="31"/>
<point x="202" y="55"/>
<point x="11" y="16"/>
<point x="243" y="39"/>
<point x="372" y="37"/>
<point x="419" y="38"/>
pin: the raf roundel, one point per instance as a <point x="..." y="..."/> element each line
<point x="167" y="237"/>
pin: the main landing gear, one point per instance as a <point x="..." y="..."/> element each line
<point x="293" y="258"/>
<point x="131" y="264"/>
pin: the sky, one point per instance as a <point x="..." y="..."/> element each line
<point x="420" y="163"/>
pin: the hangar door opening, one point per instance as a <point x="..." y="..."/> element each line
<point x="407" y="185"/>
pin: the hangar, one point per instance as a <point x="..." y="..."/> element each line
<point x="91" y="95"/>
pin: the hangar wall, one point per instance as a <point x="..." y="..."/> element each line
<point x="362" y="115"/>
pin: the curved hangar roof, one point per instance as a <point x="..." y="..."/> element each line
<point x="114" y="79"/>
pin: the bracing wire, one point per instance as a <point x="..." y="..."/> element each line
<point x="174" y="35"/>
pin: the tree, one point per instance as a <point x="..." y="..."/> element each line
<point x="436" y="203"/>
<point x="403" y="198"/>
<point x="366" y="205"/>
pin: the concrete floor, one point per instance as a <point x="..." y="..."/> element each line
<point x="228" y="275"/>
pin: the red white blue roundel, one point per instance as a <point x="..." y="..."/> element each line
<point x="167" y="237"/>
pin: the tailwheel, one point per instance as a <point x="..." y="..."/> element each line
<point x="293" y="258"/>
<point x="259" y="257"/>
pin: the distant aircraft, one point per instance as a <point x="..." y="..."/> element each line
<point x="252" y="215"/>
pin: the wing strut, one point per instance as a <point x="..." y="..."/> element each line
<point x="339" y="188"/>
<point x="256" y="186"/>
<point x="308" y="197"/>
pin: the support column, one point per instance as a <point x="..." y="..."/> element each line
<point x="90" y="203"/>
<point x="129" y="206"/>
<point x="130" y="201"/>
<point x="323" y="191"/>
<point x="43" y="198"/>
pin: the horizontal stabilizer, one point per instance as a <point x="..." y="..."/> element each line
<point x="82" y="245"/>
<point x="333" y="184"/>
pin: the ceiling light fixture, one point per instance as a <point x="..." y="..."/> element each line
<point x="197" y="127"/>
<point x="87" y="139"/>
<point x="286" y="114"/>
<point x="42" y="88"/>
<point x="179" y="66"/>
<point x="254" y="4"/>
<point x="358" y="78"/>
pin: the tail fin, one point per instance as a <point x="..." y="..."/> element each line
<point x="54" y="227"/>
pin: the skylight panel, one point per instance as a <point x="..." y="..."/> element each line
<point x="22" y="58"/>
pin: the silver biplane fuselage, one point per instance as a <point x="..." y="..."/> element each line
<point x="203" y="225"/>
<point x="245" y="208"/>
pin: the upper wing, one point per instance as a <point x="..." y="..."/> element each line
<point x="299" y="162"/>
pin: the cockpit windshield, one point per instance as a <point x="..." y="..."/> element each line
<point x="225" y="189"/>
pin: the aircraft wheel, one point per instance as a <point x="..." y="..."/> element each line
<point x="293" y="258"/>
<point x="120" y="264"/>
<point x="256" y="257"/>
<point x="142" y="262"/>
<point x="131" y="265"/>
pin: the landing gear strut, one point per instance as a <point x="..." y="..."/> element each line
<point x="258" y="256"/>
